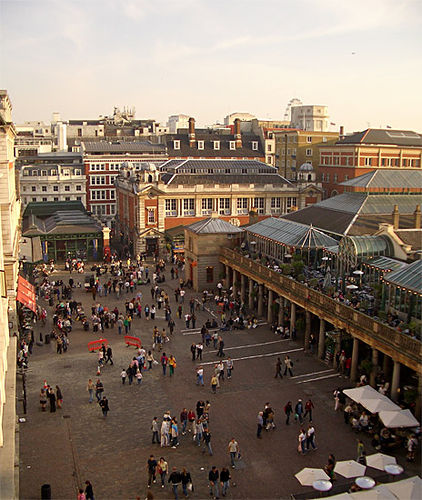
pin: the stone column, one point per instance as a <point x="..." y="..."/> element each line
<point x="321" y="338"/>
<point x="386" y="366"/>
<point x="260" y="299"/>
<point x="227" y="277"/>
<point x="292" y="316"/>
<point x="235" y="283"/>
<point x="281" y="311"/>
<point x="250" y="297"/>
<point x="242" y="287"/>
<point x="374" y="370"/>
<point x="395" y="384"/>
<point x="418" y="399"/>
<point x="307" y="329"/>
<point x="355" y="359"/>
<point x="270" y="307"/>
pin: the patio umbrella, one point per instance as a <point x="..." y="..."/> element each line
<point x="398" y="418"/>
<point x="307" y="476"/>
<point x="379" y="460"/>
<point x="352" y="287"/>
<point x="340" y="496"/>
<point x="361" y="393"/>
<point x="380" y="492"/>
<point x="376" y="405"/>
<point x="410" y="489"/>
<point x="349" y="468"/>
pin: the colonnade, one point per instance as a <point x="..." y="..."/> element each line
<point x="261" y="299"/>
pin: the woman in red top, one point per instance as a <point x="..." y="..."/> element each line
<point x="309" y="406"/>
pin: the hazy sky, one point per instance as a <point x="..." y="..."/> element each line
<point x="208" y="58"/>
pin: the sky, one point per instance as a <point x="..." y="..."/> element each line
<point x="209" y="58"/>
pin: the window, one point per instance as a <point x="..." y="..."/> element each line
<point x="176" y="144"/>
<point x="210" y="274"/>
<point x="200" y="144"/>
<point x="53" y="172"/>
<point x="78" y="171"/>
<point x="206" y="206"/>
<point x="323" y="177"/>
<point x="79" y="132"/>
<point x="216" y="144"/>
<point x="335" y="178"/>
<point x="23" y="188"/>
<point x="112" y="209"/>
<point x="44" y="199"/>
<point x="35" y="173"/>
<point x="309" y="139"/>
<point x="269" y="148"/>
<point x="224" y="206"/>
<point x="55" y="198"/>
<point x="66" y="172"/>
<point x="259" y="205"/>
<point x="67" y="188"/>
<point x="242" y="205"/>
<point x="404" y="162"/>
<point x="189" y="206"/>
<point x="346" y="177"/>
<point x="254" y="145"/>
<point x="288" y="152"/>
<point x="67" y="198"/>
<point x="79" y="198"/>
<point x="44" y="173"/>
<point x="78" y="187"/>
<point x="309" y="152"/>
<point x="55" y="188"/>
<point x="291" y="202"/>
<point x="34" y="189"/>
<point x="44" y="189"/>
<point x="368" y="161"/>
<point x="324" y="139"/>
<point x="232" y="145"/>
<point x="327" y="177"/>
<point x="171" y="208"/>
<point x="112" y="194"/>
<point x="34" y="199"/>
<point x="276" y="205"/>
<point x="151" y="215"/>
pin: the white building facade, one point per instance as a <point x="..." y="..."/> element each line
<point x="313" y="118"/>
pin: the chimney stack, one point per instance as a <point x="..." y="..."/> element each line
<point x="417" y="214"/>
<point x="237" y="134"/>
<point x="341" y="132"/>
<point x="191" y="132"/>
<point x="396" y="217"/>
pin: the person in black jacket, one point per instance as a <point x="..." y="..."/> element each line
<point x="104" y="406"/>
<point x="186" y="480"/>
<point x="213" y="476"/>
<point x="175" y="479"/>
<point x="224" y="480"/>
<point x="89" y="492"/>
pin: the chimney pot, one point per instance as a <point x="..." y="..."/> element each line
<point x="396" y="217"/>
<point x="341" y="132"/>
<point x="417" y="214"/>
<point x="237" y="134"/>
<point x="191" y="132"/>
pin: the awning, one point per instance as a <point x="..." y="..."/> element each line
<point x="400" y="418"/>
<point x="26" y="294"/>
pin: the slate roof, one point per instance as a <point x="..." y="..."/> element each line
<point x="292" y="233"/>
<point x="61" y="222"/>
<point x="381" y="136"/>
<point x="123" y="147"/>
<point x="213" y="225"/>
<point x="357" y="213"/>
<point x="388" y="179"/>
<point x="218" y="165"/>
<point x="47" y="208"/>
<point x="410" y="277"/>
<point x="194" y="179"/>
<point x="209" y="152"/>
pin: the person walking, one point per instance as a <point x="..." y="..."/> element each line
<point x="104" y="406"/>
<point x="220" y="347"/>
<point x="59" y="397"/>
<point x="43" y="399"/>
<point x="164" y="362"/>
<point x="186" y="481"/>
<point x="214" y="382"/>
<point x="229" y="366"/>
<point x="52" y="397"/>
<point x="193" y="351"/>
<point x="288" y="410"/>
<point x="90" y="388"/>
<point x="309" y="406"/>
<point x="174" y="430"/>
<point x="260" y="424"/>
<point x="155" y="429"/>
<point x="152" y="469"/>
<point x="109" y="355"/>
<point x="213" y="477"/>
<point x="302" y="442"/>
<point x="162" y="469"/>
<point x="175" y="479"/>
<point x="99" y="389"/>
<point x="207" y="441"/>
<point x="89" y="492"/>
<point x="199" y="349"/>
<point x="224" y="480"/>
<point x="288" y="364"/>
<point x="310" y="437"/>
<point x="200" y="376"/>
<point x="234" y="452"/>
<point x="172" y="364"/>
<point x="278" y="369"/>
<point x="123" y="376"/>
<point x="299" y="411"/>
<point x="184" y="420"/>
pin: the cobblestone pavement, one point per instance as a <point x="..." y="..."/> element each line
<point x="76" y="443"/>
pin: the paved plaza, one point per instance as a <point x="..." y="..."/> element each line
<point x="76" y="443"/>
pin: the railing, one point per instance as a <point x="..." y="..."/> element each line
<point x="335" y="312"/>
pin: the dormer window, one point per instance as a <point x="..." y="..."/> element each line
<point x="200" y="144"/>
<point x="254" y="145"/>
<point x="232" y="145"/>
<point x="216" y="144"/>
<point x="176" y="144"/>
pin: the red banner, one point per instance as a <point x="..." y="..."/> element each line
<point x="26" y="294"/>
<point x="97" y="344"/>
<point x="136" y="341"/>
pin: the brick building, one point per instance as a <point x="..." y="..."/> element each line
<point x="362" y="152"/>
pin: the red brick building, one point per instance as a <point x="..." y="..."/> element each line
<point x="365" y="151"/>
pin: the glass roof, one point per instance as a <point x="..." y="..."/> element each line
<point x="410" y="277"/>
<point x="385" y="263"/>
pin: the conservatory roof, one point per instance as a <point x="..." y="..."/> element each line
<point x="386" y="264"/>
<point x="410" y="277"/>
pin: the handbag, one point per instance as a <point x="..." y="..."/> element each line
<point x="190" y="486"/>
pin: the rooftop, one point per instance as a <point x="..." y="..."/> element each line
<point x="213" y="225"/>
<point x="123" y="147"/>
<point x="388" y="179"/>
<point x="46" y="208"/>
<point x="410" y="277"/>
<point x="384" y="136"/>
<point x="61" y="222"/>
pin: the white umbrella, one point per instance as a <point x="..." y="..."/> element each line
<point x="352" y="287"/>
<point x="380" y="492"/>
<point x="349" y="468"/>
<point x="360" y="393"/>
<point x="307" y="476"/>
<point x="409" y="489"/>
<point x="398" y="418"/>
<point x="380" y="405"/>
<point x="359" y="273"/>
<point x="340" y="496"/>
<point x="379" y="460"/>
